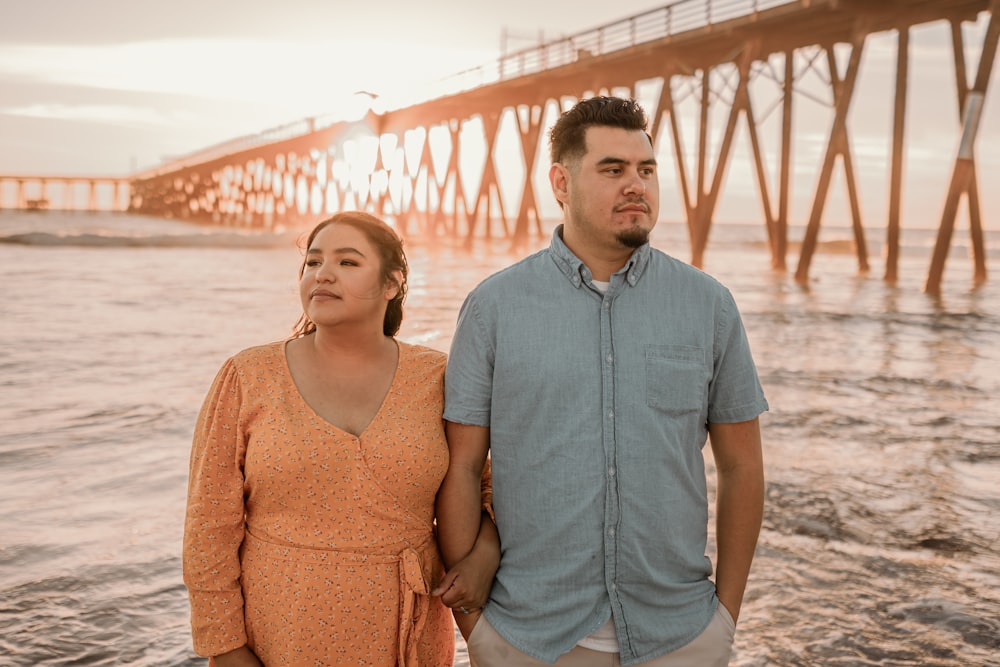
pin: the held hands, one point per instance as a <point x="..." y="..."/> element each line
<point x="466" y="586"/>
<point x="241" y="657"/>
<point x="465" y="589"/>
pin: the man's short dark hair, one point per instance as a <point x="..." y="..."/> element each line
<point x="567" y="138"/>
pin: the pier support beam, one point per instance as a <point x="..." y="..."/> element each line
<point x="489" y="187"/>
<point x="963" y="178"/>
<point x="707" y="200"/>
<point x="896" y="176"/>
<point x="669" y="107"/>
<point x="839" y="144"/>
<point x="529" y="125"/>
<point x="779" y="239"/>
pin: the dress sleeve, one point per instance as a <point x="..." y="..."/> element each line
<point x="486" y="489"/>
<point x="214" y="523"/>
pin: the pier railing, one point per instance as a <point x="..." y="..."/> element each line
<point x="673" y="19"/>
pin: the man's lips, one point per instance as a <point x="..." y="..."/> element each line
<point x="632" y="207"/>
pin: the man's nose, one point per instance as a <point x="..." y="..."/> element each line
<point x="635" y="185"/>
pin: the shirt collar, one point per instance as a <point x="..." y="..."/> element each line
<point x="577" y="272"/>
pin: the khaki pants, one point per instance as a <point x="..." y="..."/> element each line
<point x="712" y="648"/>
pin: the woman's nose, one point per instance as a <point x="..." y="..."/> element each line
<point x="326" y="274"/>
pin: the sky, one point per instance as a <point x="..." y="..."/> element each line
<point x="110" y="87"/>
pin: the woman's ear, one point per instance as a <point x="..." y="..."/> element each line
<point x="394" y="285"/>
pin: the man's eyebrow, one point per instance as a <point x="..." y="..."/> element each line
<point x="618" y="160"/>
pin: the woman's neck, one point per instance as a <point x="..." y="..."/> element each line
<point x="337" y="343"/>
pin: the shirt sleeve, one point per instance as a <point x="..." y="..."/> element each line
<point x="214" y="522"/>
<point x="735" y="394"/>
<point x="469" y="376"/>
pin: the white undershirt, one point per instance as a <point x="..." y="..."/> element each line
<point x="601" y="285"/>
<point x="602" y="639"/>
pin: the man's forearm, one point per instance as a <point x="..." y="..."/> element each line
<point x="739" y="513"/>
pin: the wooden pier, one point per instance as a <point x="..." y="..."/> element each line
<point x="410" y="163"/>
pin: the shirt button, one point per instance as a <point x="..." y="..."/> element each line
<point x="611" y="414"/>
<point x="611" y="532"/>
<point x="611" y="358"/>
<point x="611" y="471"/>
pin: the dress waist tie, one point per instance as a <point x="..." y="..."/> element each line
<point x="415" y="565"/>
<point x="415" y="591"/>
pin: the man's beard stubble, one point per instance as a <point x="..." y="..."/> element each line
<point x="634" y="237"/>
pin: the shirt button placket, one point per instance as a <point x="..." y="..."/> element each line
<point x="612" y="509"/>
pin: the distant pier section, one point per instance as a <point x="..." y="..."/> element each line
<point x="64" y="193"/>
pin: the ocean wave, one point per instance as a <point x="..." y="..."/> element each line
<point x="203" y="240"/>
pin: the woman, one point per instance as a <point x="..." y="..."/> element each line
<point x="309" y="530"/>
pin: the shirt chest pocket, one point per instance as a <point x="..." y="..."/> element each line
<point x="676" y="378"/>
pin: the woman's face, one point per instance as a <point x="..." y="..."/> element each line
<point x="342" y="280"/>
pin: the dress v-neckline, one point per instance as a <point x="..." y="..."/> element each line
<point x="283" y="353"/>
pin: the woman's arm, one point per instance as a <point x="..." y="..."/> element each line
<point x="214" y="520"/>
<point x="459" y="500"/>
<point x="467" y="536"/>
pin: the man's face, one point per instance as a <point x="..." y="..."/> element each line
<point x="613" y="192"/>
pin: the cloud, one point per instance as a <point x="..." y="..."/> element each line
<point x="116" y="114"/>
<point x="307" y="77"/>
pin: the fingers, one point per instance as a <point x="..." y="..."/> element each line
<point x="462" y="593"/>
<point x="447" y="582"/>
<point x="478" y="597"/>
<point x="456" y="596"/>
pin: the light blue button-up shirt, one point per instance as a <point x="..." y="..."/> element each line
<point x="598" y="408"/>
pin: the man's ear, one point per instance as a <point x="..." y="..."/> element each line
<point x="559" y="180"/>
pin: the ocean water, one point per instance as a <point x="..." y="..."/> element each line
<point x="881" y="539"/>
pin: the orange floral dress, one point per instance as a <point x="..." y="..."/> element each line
<point x="309" y="544"/>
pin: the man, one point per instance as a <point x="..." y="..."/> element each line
<point x="592" y="373"/>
